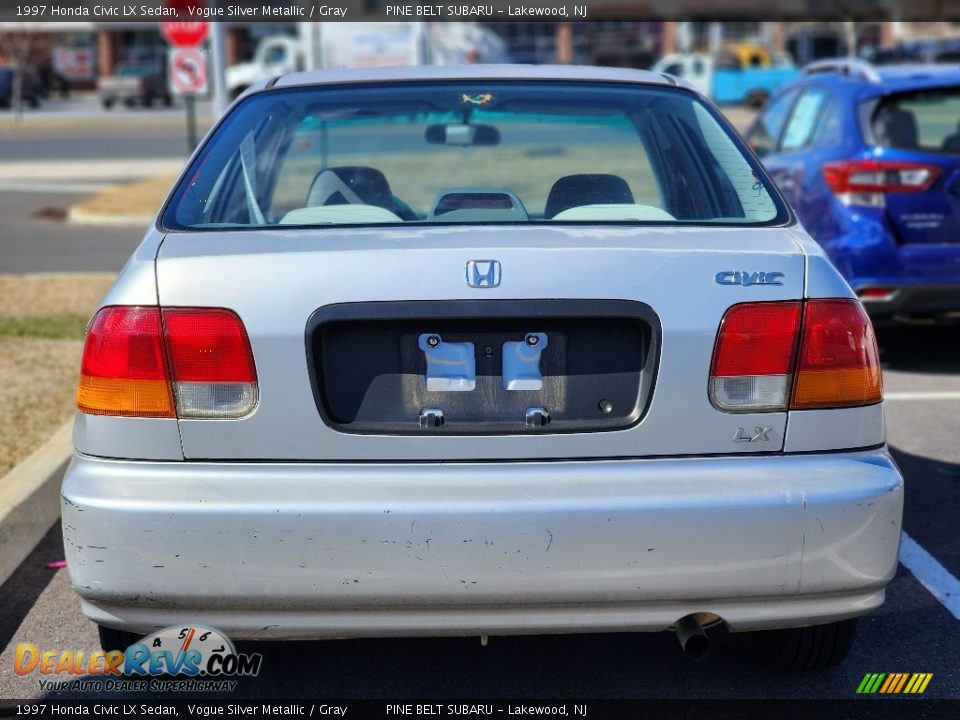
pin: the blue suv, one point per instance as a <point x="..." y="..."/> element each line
<point x="870" y="160"/>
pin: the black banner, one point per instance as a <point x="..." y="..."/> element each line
<point x="515" y="709"/>
<point x="253" y="11"/>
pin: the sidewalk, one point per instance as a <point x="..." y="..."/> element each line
<point x="84" y="107"/>
<point x="22" y="176"/>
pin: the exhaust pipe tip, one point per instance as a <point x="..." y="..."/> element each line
<point x="692" y="638"/>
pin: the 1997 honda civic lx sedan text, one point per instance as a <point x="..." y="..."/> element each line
<point x="481" y="351"/>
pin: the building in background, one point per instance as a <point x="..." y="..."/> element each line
<point x="74" y="54"/>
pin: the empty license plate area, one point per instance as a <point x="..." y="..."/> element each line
<point x="491" y="368"/>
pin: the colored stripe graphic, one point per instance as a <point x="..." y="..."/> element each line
<point x="871" y="683"/>
<point x="918" y="683"/>
<point x="891" y="680"/>
<point x="903" y="681"/>
<point x="894" y="683"/>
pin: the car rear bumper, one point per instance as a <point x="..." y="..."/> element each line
<point x="263" y="550"/>
<point x="927" y="300"/>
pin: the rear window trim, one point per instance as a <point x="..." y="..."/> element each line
<point x="783" y="219"/>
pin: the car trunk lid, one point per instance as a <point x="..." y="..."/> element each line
<point x="341" y="321"/>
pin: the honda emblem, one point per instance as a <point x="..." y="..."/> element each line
<point x="483" y="273"/>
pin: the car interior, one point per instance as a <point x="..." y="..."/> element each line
<point x="363" y="195"/>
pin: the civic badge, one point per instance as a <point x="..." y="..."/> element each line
<point x="483" y="273"/>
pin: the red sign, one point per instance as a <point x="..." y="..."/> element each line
<point x="187" y="70"/>
<point x="74" y="63"/>
<point x="184" y="32"/>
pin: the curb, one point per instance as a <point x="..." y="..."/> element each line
<point x="78" y="216"/>
<point x="30" y="499"/>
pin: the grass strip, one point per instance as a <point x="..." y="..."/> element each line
<point x="51" y="327"/>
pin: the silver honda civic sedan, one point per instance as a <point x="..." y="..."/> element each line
<point x="481" y="351"/>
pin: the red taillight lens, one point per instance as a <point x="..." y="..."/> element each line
<point x="207" y="346"/>
<point x="875" y="293"/>
<point x="824" y="350"/>
<point x="754" y="355"/>
<point x="125" y="364"/>
<point x="839" y="364"/>
<point x="865" y="182"/>
<point x="124" y="368"/>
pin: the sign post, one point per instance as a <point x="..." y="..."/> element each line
<point x="187" y="74"/>
<point x="186" y="65"/>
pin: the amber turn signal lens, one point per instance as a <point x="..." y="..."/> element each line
<point x="839" y="364"/>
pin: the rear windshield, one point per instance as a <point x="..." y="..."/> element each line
<point x="471" y="152"/>
<point x="926" y="120"/>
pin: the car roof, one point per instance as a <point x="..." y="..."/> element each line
<point x="896" y="77"/>
<point x="473" y="72"/>
<point x="887" y="79"/>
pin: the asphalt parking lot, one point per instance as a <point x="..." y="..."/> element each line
<point x="917" y="630"/>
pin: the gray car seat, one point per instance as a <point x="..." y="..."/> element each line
<point x="587" y="189"/>
<point x="356" y="184"/>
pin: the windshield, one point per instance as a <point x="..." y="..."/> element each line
<point x="474" y="153"/>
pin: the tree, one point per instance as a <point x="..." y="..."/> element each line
<point x="15" y="47"/>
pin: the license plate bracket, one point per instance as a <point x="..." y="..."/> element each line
<point x="451" y="367"/>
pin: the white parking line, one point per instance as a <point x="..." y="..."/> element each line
<point x="932" y="395"/>
<point x="931" y="574"/>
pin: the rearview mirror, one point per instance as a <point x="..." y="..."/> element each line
<point x="462" y="134"/>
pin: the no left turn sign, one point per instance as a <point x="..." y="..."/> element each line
<point x="187" y="71"/>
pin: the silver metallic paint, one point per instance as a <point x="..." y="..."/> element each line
<point x="334" y="544"/>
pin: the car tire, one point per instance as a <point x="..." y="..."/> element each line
<point x="805" y="648"/>
<point x="113" y="639"/>
<point x="756" y="98"/>
<point x="107" y="104"/>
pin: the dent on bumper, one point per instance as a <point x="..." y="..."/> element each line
<point x="333" y="550"/>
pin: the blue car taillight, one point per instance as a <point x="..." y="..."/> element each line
<point x="867" y="182"/>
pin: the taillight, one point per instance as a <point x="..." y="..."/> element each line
<point x="839" y="365"/>
<point x="773" y="356"/>
<point x="186" y="362"/>
<point x="867" y="182"/>
<point x="211" y="364"/>
<point x="753" y="358"/>
<point x="124" y="368"/>
<point x="875" y="293"/>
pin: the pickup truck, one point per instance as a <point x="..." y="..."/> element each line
<point x="323" y="46"/>
<point x="731" y="77"/>
<point x="135" y="84"/>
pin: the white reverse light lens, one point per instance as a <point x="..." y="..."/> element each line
<point x="215" y="400"/>
<point x="751" y="392"/>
